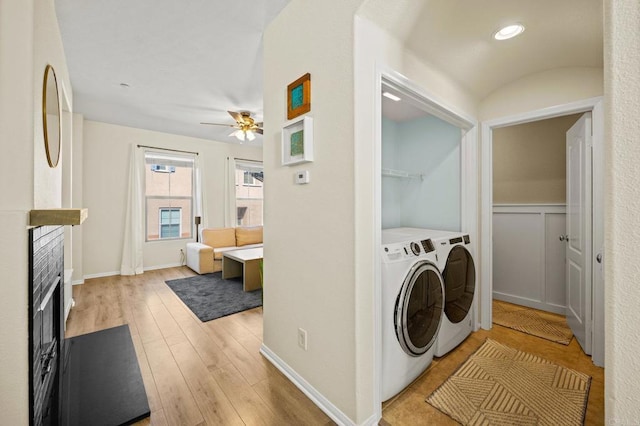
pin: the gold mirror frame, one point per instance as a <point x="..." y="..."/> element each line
<point x="50" y="109"/>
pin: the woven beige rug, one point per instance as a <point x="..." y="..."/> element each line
<point x="499" y="385"/>
<point x="531" y="321"/>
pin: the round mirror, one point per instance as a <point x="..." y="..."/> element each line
<point x="51" y="116"/>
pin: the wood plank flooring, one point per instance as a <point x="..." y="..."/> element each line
<point x="410" y="408"/>
<point x="212" y="373"/>
<point x="194" y="373"/>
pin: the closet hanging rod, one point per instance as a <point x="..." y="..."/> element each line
<point x="168" y="149"/>
<point x="246" y="159"/>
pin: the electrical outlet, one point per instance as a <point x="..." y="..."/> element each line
<point x="302" y="338"/>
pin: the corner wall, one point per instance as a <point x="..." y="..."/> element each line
<point x="105" y="165"/>
<point x="309" y="238"/>
<point x="29" y="39"/>
<point x="622" y="201"/>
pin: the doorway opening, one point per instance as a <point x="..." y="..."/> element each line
<point x="529" y="201"/>
<point x="419" y="182"/>
<point x="513" y="217"/>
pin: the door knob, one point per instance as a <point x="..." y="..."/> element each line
<point x="564" y="238"/>
<point x="599" y="258"/>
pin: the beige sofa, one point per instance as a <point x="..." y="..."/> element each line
<point x="206" y="257"/>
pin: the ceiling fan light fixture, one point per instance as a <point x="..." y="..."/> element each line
<point x="250" y="135"/>
<point x="239" y="134"/>
<point x="510" y="31"/>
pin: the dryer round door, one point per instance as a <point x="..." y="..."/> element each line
<point x="419" y="308"/>
<point x="459" y="284"/>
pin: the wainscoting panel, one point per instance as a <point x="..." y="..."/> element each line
<point x="528" y="257"/>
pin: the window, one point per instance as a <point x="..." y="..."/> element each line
<point x="169" y="195"/>
<point x="249" y="193"/>
<point x="170" y="221"/>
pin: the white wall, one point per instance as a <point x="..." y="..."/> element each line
<point x="541" y="90"/>
<point x="529" y="161"/>
<point x="106" y="150"/>
<point x="430" y="147"/>
<point x="309" y="229"/>
<point x="29" y="38"/>
<point x="622" y="201"/>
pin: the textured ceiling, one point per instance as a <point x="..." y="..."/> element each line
<point x="184" y="61"/>
<point x="191" y="61"/>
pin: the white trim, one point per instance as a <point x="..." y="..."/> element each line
<point x="468" y="190"/>
<point x="168" y="265"/>
<point x="584" y="105"/>
<point x="67" y="309"/>
<point x="531" y="303"/>
<point x="312" y="393"/>
<point x="111" y="274"/>
<point x="78" y="282"/>
<point x="597" y="324"/>
<point x="529" y="208"/>
<point x="101" y="275"/>
<point x="486" y="260"/>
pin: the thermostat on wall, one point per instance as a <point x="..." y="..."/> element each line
<point x="302" y="177"/>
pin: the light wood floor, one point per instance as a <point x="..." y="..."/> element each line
<point x="212" y="373"/>
<point x="410" y="408"/>
<point x="194" y="373"/>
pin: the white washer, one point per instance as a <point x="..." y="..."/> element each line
<point x="459" y="273"/>
<point x="412" y="309"/>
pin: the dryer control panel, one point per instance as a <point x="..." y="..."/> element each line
<point x="409" y="250"/>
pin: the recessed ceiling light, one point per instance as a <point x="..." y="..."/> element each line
<point x="509" y="31"/>
<point x="390" y="96"/>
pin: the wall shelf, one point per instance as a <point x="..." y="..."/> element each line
<point x="57" y="217"/>
<point x="401" y="174"/>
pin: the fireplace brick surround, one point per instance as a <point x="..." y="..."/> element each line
<point x="46" y="272"/>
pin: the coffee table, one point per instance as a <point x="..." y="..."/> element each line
<point x="245" y="263"/>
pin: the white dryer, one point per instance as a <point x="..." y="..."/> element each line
<point x="412" y="309"/>
<point x="459" y="272"/>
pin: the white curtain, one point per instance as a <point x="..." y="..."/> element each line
<point x="200" y="196"/>
<point x="132" y="250"/>
<point x="230" y="214"/>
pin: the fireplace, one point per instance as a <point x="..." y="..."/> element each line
<point x="46" y="272"/>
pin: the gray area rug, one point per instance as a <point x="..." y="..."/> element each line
<point x="210" y="297"/>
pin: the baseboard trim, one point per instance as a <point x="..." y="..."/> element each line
<point x="169" y="265"/>
<point x="323" y="403"/>
<point x="111" y="274"/>
<point x="101" y="275"/>
<point x="77" y="282"/>
<point x="523" y="301"/>
<point x="67" y="309"/>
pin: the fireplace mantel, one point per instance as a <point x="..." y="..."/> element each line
<point x="57" y="217"/>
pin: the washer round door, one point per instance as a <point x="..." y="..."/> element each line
<point x="459" y="284"/>
<point x="419" y="308"/>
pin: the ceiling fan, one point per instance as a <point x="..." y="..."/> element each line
<point x="246" y="126"/>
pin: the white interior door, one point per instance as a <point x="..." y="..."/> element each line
<point x="578" y="231"/>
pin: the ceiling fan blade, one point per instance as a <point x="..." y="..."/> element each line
<point x="219" y="124"/>
<point x="260" y="124"/>
<point x="259" y="131"/>
<point x="236" y="116"/>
